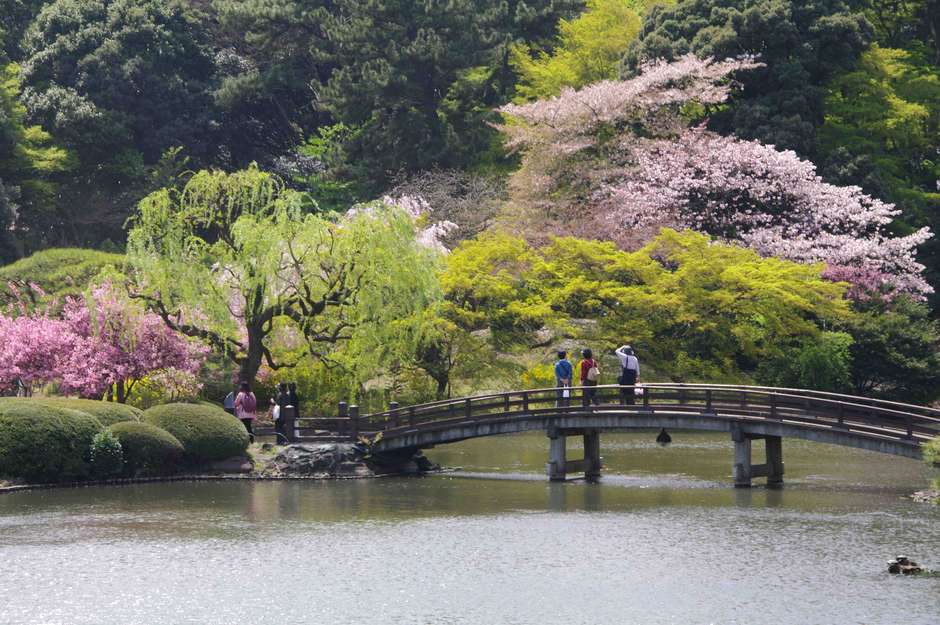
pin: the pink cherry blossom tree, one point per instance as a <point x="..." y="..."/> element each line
<point x="618" y="161"/>
<point x="100" y="342"/>
<point x="32" y="348"/>
<point x="117" y="344"/>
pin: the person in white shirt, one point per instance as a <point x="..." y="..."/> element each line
<point x="629" y="372"/>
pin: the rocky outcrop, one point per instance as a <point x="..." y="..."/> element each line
<point x="343" y="460"/>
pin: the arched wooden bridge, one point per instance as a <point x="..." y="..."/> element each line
<point x="747" y="412"/>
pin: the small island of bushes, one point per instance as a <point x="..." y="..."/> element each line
<point x="59" y="440"/>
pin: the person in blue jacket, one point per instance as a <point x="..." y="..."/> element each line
<point x="563" y="374"/>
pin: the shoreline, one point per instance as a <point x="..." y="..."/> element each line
<point x="16" y="488"/>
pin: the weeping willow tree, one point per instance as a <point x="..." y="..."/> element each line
<point x="232" y="259"/>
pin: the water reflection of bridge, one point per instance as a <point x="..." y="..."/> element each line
<point x="748" y="413"/>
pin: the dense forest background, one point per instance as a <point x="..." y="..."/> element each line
<point x="103" y="102"/>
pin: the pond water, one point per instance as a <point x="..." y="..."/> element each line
<point x="662" y="539"/>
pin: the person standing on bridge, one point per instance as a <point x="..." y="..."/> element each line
<point x="590" y="374"/>
<point x="629" y="373"/>
<point x="563" y="374"/>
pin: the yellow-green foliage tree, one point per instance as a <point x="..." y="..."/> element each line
<point x="696" y="309"/>
<point x="589" y="49"/>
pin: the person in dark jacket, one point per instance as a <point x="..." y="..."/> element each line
<point x="281" y="401"/>
<point x="564" y="371"/>
<point x="294" y="400"/>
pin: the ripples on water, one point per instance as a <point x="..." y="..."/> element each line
<point x="663" y="539"/>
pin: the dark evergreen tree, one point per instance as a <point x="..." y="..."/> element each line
<point x="15" y="16"/>
<point x="419" y="79"/>
<point x="803" y="42"/>
<point x="270" y="60"/>
<point x="119" y="82"/>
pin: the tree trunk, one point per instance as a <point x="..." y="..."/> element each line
<point x="249" y="364"/>
<point x="442" y="384"/>
<point x="120" y="394"/>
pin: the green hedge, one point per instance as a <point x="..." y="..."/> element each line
<point x="60" y="272"/>
<point x="147" y="449"/>
<point x="44" y="443"/>
<point x="206" y="432"/>
<point x="107" y="412"/>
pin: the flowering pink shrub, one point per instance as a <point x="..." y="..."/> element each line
<point x="32" y="349"/>
<point x="100" y="340"/>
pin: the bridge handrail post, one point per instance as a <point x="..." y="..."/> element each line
<point x="393" y="414"/>
<point x="910" y="427"/>
<point x="506" y="402"/>
<point x="354" y="420"/>
<point x="773" y="405"/>
<point x="411" y="416"/>
<point x="468" y="408"/>
<point x="646" y="399"/>
<point x="841" y="414"/>
<point x="708" y="400"/>
<point x="525" y="401"/>
<point x="342" y="411"/>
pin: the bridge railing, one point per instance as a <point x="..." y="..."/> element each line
<point x="864" y="415"/>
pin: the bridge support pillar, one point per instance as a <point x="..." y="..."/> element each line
<point x="744" y="470"/>
<point x="774" y="446"/>
<point x="742" y="460"/>
<point x="592" y="454"/>
<point x="557" y="467"/>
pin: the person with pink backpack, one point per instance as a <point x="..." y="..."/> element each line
<point x="246" y="406"/>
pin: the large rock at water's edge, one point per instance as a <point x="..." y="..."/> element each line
<point x="344" y="460"/>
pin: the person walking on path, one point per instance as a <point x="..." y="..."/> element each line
<point x="629" y="373"/>
<point x="279" y="407"/>
<point x="563" y="374"/>
<point x="246" y="405"/>
<point x="590" y="374"/>
<point x="294" y="400"/>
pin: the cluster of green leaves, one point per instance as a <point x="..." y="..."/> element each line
<point x="589" y="49"/>
<point x="696" y="310"/>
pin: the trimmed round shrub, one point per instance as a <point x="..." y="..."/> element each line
<point x="44" y="443"/>
<point x="106" y="456"/>
<point x="207" y="432"/>
<point x="107" y="412"/>
<point x="147" y="449"/>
